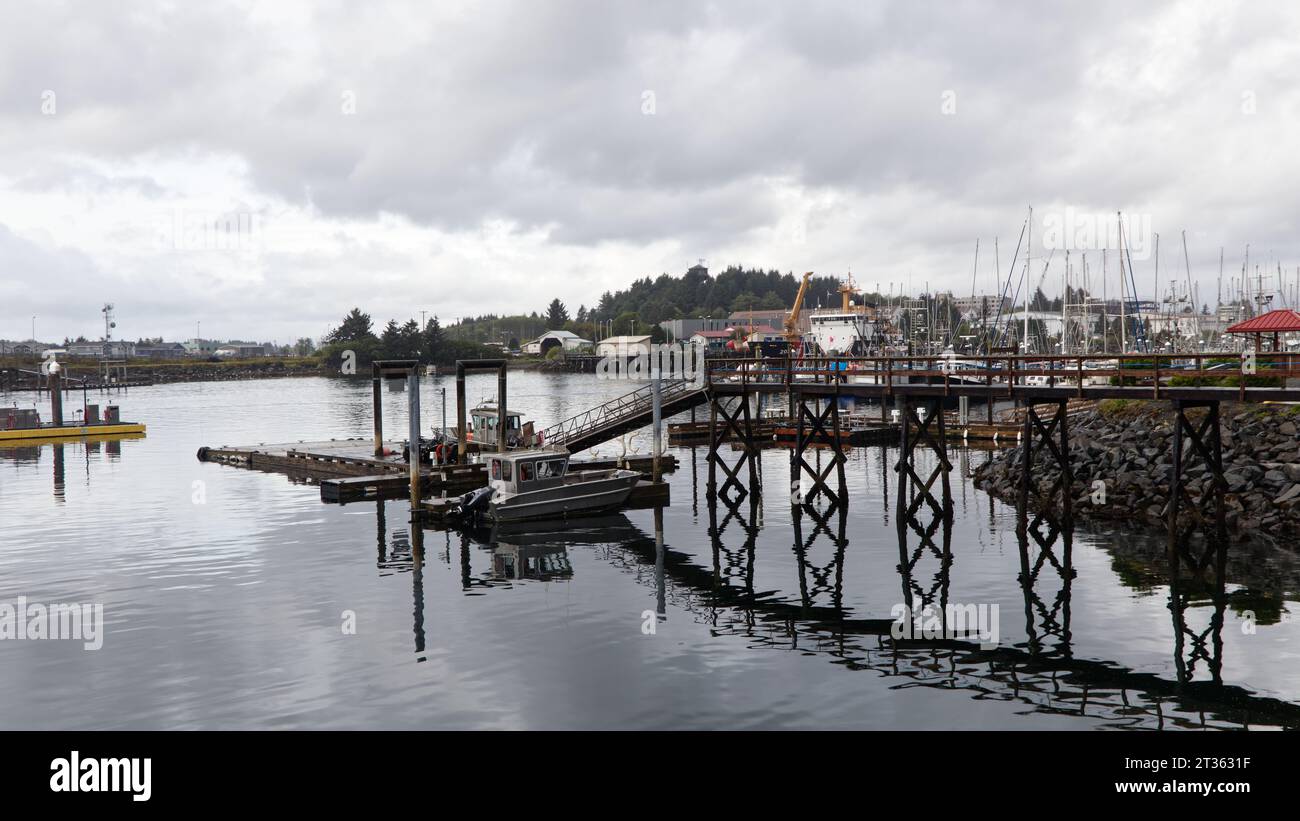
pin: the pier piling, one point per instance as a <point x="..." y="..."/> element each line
<point x="413" y="442"/>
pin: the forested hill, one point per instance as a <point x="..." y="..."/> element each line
<point x="700" y="294"/>
<point x="649" y="301"/>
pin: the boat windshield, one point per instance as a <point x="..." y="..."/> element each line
<point x="550" y="468"/>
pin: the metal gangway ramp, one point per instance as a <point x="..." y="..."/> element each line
<point x="623" y="414"/>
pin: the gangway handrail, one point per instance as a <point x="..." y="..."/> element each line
<point x="616" y="410"/>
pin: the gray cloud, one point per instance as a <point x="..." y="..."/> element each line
<point x="532" y="114"/>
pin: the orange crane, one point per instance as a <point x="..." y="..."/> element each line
<point x="792" y="334"/>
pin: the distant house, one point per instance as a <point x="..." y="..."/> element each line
<point x="680" y="330"/>
<point x="766" y="341"/>
<point x="566" y="341"/>
<point x="116" y="349"/>
<point x="241" y="350"/>
<point x="771" y="318"/>
<point x="22" y="348"/>
<point x="200" y="347"/>
<point x="713" y="341"/>
<point x="160" y="350"/>
<point x="624" y="346"/>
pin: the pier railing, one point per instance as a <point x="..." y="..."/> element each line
<point x="1155" y="372"/>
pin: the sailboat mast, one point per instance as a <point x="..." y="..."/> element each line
<point x="1029" y="254"/>
<point x="1105" y="306"/>
<point x="1065" y="303"/>
<point x="1155" y="284"/>
<point x="1187" y="266"/>
<point x="1123" y="293"/>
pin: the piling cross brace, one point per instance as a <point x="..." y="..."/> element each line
<point x="812" y="427"/>
<point x="914" y="433"/>
<point x="1206" y="513"/>
<point x="735" y="421"/>
<point x="1036" y="438"/>
<point x="906" y="466"/>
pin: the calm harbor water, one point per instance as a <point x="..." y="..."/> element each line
<point x="225" y="595"/>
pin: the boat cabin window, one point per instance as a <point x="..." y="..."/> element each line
<point x="501" y="470"/>
<point x="525" y="471"/>
<point x="496" y="468"/>
<point x="550" y="468"/>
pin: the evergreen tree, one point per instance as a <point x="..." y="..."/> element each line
<point x="356" y="327"/>
<point x="433" y="342"/>
<point x="556" y="314"/>
<point x="390" y="341"/>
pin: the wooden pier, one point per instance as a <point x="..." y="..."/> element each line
<point x="784" y="432"/>
<point x="1049" y="390"/>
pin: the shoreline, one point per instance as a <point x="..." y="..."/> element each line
<point x="168" y="373"/>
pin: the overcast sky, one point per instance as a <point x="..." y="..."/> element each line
<point x="471" y="158"/>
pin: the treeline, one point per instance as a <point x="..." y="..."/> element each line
<point x="651" y="300"/>
<point x="700" y="294"/>
<point x="431" y="345"/>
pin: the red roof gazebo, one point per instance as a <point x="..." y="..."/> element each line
<point x="1283" y="320"/>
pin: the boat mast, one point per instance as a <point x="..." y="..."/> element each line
<point x="1087" y="315"/>
<point x="1155" y="284"/>
<point x="1105" y="307"/>
<point x="1029" y="255"/>
<point x="1187" y="264"/>
<point x="1065" y="303"/>
<point x="1123" y="293"/>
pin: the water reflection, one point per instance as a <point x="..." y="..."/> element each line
<point x="828" y="578"/>
<point x="1052" y="547"/>
<point x="1041" y="672"/>
<point x="59" y="450"/>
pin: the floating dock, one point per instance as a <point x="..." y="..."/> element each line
<point x="348" y="471"/>
<point x="52" y="433"/>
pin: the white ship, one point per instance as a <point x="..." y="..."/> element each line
<point x="849" y="331"/>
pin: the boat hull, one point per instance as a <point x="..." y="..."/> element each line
<point x="563" y="501"/>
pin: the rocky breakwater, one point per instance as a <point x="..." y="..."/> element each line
<point x="1121" y="454"/>
<point x="229" y="371"/>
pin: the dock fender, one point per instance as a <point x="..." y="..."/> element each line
<point x="203" y="454"/>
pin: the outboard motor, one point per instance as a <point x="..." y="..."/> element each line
<point x="475" y="502"/>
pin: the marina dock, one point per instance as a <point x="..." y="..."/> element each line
<point x="348" y="471"/>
